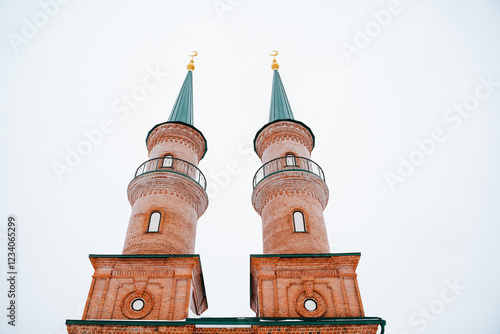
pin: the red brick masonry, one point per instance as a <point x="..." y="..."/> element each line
<point x="168" y="284"/>
<point x="180" y="200"/>
<point x="280" y="284"/>
<point x="278" y="195"/>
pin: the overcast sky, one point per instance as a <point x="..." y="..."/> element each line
<point x="403" y="98"/>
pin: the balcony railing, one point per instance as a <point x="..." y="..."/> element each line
<point x="173" y="165"/>
<point x="288" y="162"/>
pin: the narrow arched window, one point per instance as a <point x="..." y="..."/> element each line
<point x="168" y="161"/>
<point x="154" y="222"/>
<point x="290" y="160"/>
<point x="299" y="223"/>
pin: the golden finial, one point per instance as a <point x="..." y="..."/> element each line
<point x="190" y="66"/>
<point x="274" y="65"/>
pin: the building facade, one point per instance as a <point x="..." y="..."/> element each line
<point x="297" y="285"/>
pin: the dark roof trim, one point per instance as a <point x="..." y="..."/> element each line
<point x="144" y="256"/>
<point x="306" y="255"/>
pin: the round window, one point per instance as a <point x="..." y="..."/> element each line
<point x="310" y="304"/>
<point x="137" y="304"/>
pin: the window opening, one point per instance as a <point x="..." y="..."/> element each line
<point x="154" y="222"/>
<point x="299" y="224"/>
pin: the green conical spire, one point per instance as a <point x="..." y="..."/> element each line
<point x="280" y="108"/>
<point x="183" y="107"/>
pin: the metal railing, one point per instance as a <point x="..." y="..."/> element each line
<point x="173" y="165"/>
<point x="289" y="162"/>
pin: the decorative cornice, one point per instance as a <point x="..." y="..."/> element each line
<point x="169" y="184"/>
<point x="180" y="140"/>
<point x="278" y="138"/>
<point x="281" y="130"/>
<point x="142" y="273"/>
<point x="288" y="183"/>
<point x="343" y="263"/>
<point x="178" y="132"/>
<point x="304" y="273"/>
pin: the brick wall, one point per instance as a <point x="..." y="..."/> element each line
<point x="166" y="284"/>
<point x="276" y="198"/>
<point x="180" y="201"/>
<point x="280" y="286"/>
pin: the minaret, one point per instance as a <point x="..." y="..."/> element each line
<point x="290" y="192"/>
<point x="167" y="193"/>
<point x="158" y="277"/>
<point x="296" y="276"/>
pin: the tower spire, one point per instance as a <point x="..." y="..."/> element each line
<point x="183" y="107"/>
<point x="280" y="107"/>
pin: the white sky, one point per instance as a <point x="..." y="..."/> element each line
<point x="441" y="224"/>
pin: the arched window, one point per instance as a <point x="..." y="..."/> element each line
<point x="290" y="160"/>
<point x="299" y="223"/>
<point x="154" y="222"/>
<point x="168" y="161"/>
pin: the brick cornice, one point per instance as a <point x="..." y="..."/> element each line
<point x="288" y="183"/>
<point x="283" y="130"/>
<point x="169" y="184"/>
<point x="143" y="273"/>
<point x="177" y="132"/>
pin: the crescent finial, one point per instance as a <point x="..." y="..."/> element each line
<point x="190" y="66"/>
<point x="274" y="65"/>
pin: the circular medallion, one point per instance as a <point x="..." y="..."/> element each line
<point x="137" y="305"/>
<point x="310" y="306"/>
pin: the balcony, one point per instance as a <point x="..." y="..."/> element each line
<point x="170" y="164"/>
<point x="287" y="163"/>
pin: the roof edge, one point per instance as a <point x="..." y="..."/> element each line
<point x="306" y="255"/>
<point x="144" y="256"/>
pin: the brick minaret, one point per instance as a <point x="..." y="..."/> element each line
<point x="296" y="276"/>
<point x="158" y="277"/>
<point x="168" y="190"/>
<point x="290" y="192"/>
